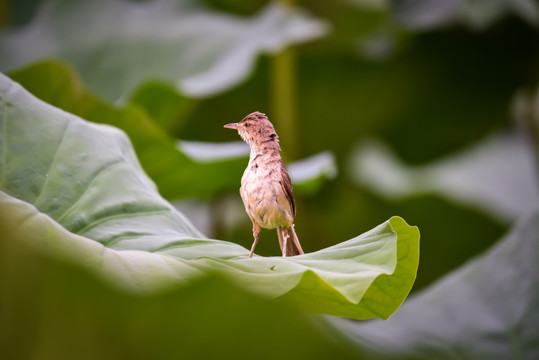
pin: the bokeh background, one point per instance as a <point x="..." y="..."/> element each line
<point x="424" y="109"/>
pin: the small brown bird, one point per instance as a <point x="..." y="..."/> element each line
<point x="266" y="189"/>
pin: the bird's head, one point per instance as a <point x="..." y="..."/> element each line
<point x="255" y="129"/>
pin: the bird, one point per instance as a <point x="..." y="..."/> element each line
<point x="266" y="188"/>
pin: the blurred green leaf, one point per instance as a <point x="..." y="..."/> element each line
<point x="52" y="309"/>
<point x="117" y="45"/>
<point x="311" y="173"/>
<point x="487" y="309"/>
<point x="77" y="189"/>
<point x="477" y="176"/>
<point x="165" y="105"/>
<point x="478" y="14"/>
<point x="211" y="151"/>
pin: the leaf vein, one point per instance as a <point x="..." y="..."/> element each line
<point x="97" y="175"/>
<point x="53" y="163"/>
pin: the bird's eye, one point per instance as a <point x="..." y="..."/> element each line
<point x="246" y="124"/>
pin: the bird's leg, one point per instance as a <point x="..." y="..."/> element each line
<point x="282" y="233"/>
<point x="285" y="240"/>
<point x="281" y="241"/>
<point x="256" y="235"/>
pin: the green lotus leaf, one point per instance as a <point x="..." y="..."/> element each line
<point x="117" y="45"/>
<point x="76" y="190"/>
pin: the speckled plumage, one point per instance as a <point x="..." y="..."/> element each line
<point x="266" y="189"/>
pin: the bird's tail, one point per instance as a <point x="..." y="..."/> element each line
<point x="288" y="241"/>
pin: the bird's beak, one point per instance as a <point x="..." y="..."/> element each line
<point x="232" y="126"/>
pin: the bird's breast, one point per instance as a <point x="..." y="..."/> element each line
<point x="263" y="196"/>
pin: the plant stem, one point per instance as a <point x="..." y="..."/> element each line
<point x="283" y="86"/>
<point x="4" y="13"/>
<point x="526" y="113"/>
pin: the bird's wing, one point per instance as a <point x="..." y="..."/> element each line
<point x="286" y="184"/>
